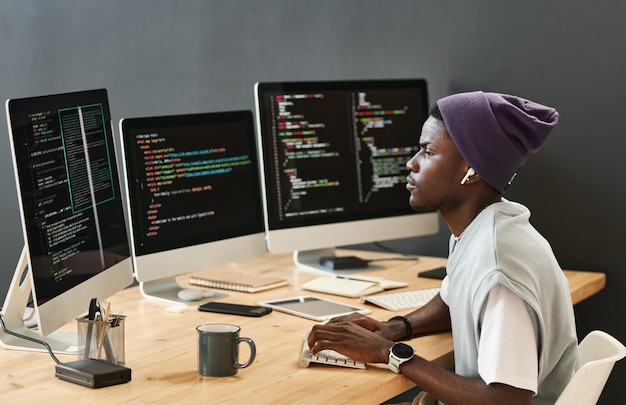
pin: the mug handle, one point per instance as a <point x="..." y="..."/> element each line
<point x="252" y="352"/>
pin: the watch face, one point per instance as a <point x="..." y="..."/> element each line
<point x="402" y="350"/>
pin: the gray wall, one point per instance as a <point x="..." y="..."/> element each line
<point x="168" y="57"/>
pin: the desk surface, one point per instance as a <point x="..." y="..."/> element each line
<point x="161" y="349"/>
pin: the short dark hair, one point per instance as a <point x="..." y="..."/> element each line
<point x="435" y="113"/>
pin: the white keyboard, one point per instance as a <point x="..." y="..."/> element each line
<point x="402" y="300"/>
<point x="330" y="357"/>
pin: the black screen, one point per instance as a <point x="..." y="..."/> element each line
<point x="191" y="179"/>
<point x="336" y="151"/>
<point x="69" y="188"/>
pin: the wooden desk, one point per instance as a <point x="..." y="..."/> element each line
<point x="161" y="350"/>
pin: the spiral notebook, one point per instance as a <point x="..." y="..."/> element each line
<point x="241" y="282"/>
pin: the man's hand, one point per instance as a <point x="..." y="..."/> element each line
<point x="363" y="321"/>
<point x="356" y="336"/>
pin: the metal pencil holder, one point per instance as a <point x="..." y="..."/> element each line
<point x="102" y="340"/>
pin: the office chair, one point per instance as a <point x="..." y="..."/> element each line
<point x="598" y="353"/>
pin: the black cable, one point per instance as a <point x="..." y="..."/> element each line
<point x="41" y="342"/>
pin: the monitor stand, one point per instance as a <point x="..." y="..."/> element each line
<point x="311" y="260"/>
<point x="166" y="290"/>
<point x="13" y="310"/>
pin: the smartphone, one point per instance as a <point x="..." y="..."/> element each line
<point x="438" y="273"/>
<point x="234" y="309"/>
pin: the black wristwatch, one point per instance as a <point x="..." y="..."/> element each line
<point x="399" y="353"/>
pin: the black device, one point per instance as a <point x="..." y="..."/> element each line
<point x="438" y="273"/>
<point x="343" y="262"/>
<point x="234" y="309"/>
<point x="93" y="373"/>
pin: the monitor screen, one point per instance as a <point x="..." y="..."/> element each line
<point x="76" y="244"/>
<point x="334" y="159"/>
<point x="194" y="196"/>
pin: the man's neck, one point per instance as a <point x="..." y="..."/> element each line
<point x="459" y="219"/>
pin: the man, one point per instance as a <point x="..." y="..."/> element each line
<point x="504" y="298"/>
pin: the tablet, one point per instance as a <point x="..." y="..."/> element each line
<point x="318" y="309"/>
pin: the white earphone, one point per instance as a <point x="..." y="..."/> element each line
<point x="470" y="172"/>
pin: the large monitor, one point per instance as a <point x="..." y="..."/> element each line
<point x="333" y="159"/>
<point x="194" y="196"/>
<point x="76" y="244"/>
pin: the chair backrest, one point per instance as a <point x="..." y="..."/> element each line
<point x="598" y="353"/>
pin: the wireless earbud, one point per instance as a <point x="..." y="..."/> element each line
<point x="470" y="172"/>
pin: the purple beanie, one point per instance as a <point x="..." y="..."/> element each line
<point x="495" y="132"/>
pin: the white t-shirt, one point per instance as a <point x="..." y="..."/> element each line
<point x="507" y="350"/>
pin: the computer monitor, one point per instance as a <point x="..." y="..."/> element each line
<point x="76" y="244"/>
<point x="194" y="196"/>
<point x="333" y="156"/>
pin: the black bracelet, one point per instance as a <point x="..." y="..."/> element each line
<point x="407" y="323"/>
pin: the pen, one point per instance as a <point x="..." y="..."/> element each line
<point x="374" y="280"/>
<point x="117" y="320"/>
<point x="91" y="316"/>
<point x="93" y="308"/>
<point x="103" y="327"/>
